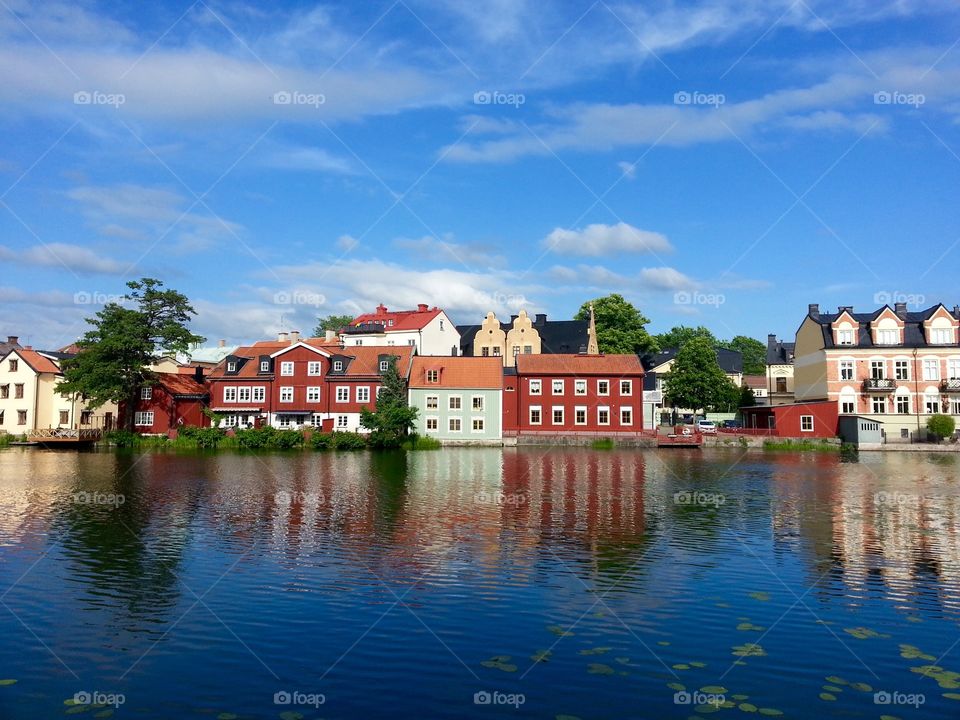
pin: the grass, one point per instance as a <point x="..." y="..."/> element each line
<point x="603" y="444"/>
<point x="422" y="442"/>
<point x="815" y="446"/>
<point x="5" y="439"/>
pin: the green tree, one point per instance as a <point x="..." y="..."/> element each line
<point x="678" y="336"/>
<point x="747" y="397"/>
<point x="115" y="354"/>
<point x="728" y="398"/>
<point x="941" y="425"/>
<point x="695" y="379"/>
<point x="331" y="322"/>
<point x="620" y="326"/>
<point x="393" y="418"/>
<point x="753" y="351"/>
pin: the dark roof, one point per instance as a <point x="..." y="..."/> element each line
<point x="779" y="352"/>
<point x="730" y="361"/>
<point x="557" y="337"/>
<point x="913" y="335"/>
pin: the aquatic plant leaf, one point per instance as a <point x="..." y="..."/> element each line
<point x="714" y="690"/>
<point x="832" y="688"/>
<point x="863" y="633"/>
<point x="76" y="709"/>
<point x="7" y="681"/>
<point x="862" y="687"/>
<point x="662" y="642"/>
<point x="749" y="650"/>
<point x="559" y="631"/>
<point x="740" y="697"/>
<point x="681" y="666"/>
<point x="748" y="707"/>
<point x="829" y="697"/>
<point x="679" y="687"/>
<point x="836" y="680"/>
<point x="750" y="627"/>
<point x="104" y="714"/>
<point x="697" y="664"/>
<point x="761" y="596"/>
<point x="600" y="669"/>
<point x="541" y="656"/>
<point x="595" y="651"/>
<point x="770" y="712"/>
<point x="952" y="696"/>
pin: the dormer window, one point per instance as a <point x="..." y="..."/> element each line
<point x="264" y="366"/>
<point x="941" y="336"/>
<point x="887" y="337"/>
<point x="390" y="323"/>
<point x="844" y="337"/>
<point x="433" y="376"/>
<point x="338" y="365"/>
<point x="384" y="365"/>
<point x="231" y="367"/>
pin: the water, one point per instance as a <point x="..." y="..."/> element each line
<point x="384" y="583"/>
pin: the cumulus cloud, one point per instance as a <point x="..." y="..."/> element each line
<point x="600" y="239"/>
<point x="74" y="258"/>
<point x="666" y="278"/>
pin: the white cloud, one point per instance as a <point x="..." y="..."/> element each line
<point x="310" y="159"/>
<point x="599" y="239"/>
<point x="63" y="256"/>
<point x="666" y="278"/>
<point x="628" y="170"/>
<point x="430" y="249"/>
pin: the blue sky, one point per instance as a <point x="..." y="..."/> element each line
<point x="718" y="162"/>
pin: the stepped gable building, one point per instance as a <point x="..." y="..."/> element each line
<point x="526" y="336"/>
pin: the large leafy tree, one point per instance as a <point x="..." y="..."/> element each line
<point x="753" y="351"/>
<point x="695" y="379"/>
<point x="115" y="354"/>
<point x="393" y="418"/>
<point x="620" y="326"/>
<point x="680" y="335"/>
<point x="331" y="322"/>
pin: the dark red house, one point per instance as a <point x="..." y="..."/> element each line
<point x="173" y="401"/>
<point x="794" y="420"/>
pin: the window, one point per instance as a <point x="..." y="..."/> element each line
<point x="806" y="423"/>
<point x="626" y="387"/>
<point x="338" y="365"/>
<point x="579" y="387"/>
<point x="264" y="366"/>
<point x="516" y="350"/>
<point x="781" y="384"/>
<point x="478" y="424"/>
<point x="411" y="341"/>
<point x="5" y="391"/>
<point x="18" y="391"/>
<point x="64" y="417"/>
<point x="316" y="420"/>
<point x="932" y="403"/>
<point x="953" y="369"/>
<point x="14" y="364"/>
<point x="259" y="393"/>
<point x="557" y="415"/>
<point x="441" y="324"/>
<point x="342" y="422"/>
<point x="603" y="416"/>
<point x="231" y="366"/>
<point x="496" y="351"/>
<point x="22" y="417"/>
<point x="286" y="394"/>
<point x="888" y="337"/>
<point x="313" y="368"/>
<point x="433" y="376"/>
<point x="454" y="402"/>
<point x="528" y="349"/>
<point x="931" y="369"/>
<point x="85" y="417"/>
<point x="313" y="394"/>
<point x="143" y="419"/>
<point x="535" y="416"/>
<point x="363" y="394"/>
<point x="844" y="337"/>
<point x="358" y="342"/>
<point x="431" y="423"/>
<point x="485" y="352"/>
<point x="433" y="402"/>
<point x="229" y="394"/>
<point x="626" y="416"/>
<point x="846" y="369"/>
<point x="903" y="404"/>
<point x="284" y="421"/>
<point x="243" y="394"/>
<point x="879" y="405"/>
<point x="955" y="406"/>
<point x="941" y="336"/>
<point x="878" y="369"/>
<point x="476" y="403"/>
<point x="558" y="387"/>
<point x="901" y="369"/>
<point x="603" y="387"/>
<point x="230" y="421"/>
<point x="535" y="387"/>
<point x="580" y="415"/>
<point x="286" y="368"/>
<point x="343" y="393"/>
<point x="384" y="365"/>
<point x="453" y="424"/>
<point x="848" y="407"/>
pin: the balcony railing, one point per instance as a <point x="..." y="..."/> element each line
<point x="879" y="385"/>
<point x="951" y="386"/>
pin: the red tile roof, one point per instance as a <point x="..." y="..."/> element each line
<point x="579" y="365"/>
<point x="757" y="382"/>
<point x="251" y="368"/>
<point x="39" y="362"/>
<point x="367" y="359"/>
<point x="177" y="384"/>
<point x="403" y="320"/>
<point x="458" y="372"/>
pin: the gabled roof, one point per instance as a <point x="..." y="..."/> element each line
<point x="393" y="321"/>
<point x="364" y="360"/>
<point x="301" y="344"/>
<point x="612" y="365"/>
<point x="181" y="385"/>
<point x="39" y="362"/>
<point x="779" y="352"/>
<point x="458" y="372"/>
<point x="755" y="382"/>
<point x="556" y="336"/>
<point x="913" y="335"/>
<point x="250" y="355"/>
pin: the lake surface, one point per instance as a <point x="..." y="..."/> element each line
<point x="479" y="583"/>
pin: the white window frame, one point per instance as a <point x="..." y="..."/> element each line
<point x="286" y="368"/>
<point x="434" y="420"/>
<point x="603" y="409"/>
<point x="579" y="387"/>
<point x="845" y="336"/>
<point x="363" y="393"/>
<point x="477" y="403"/>
<point x="313" y="393"/>
<point x="536" y="387"/>
<point x="539" y="410"/>
<point x="628" y="384"/>
<point x="384" y="365"/>
<point x="602" y="384"/>
<point x="244" y="394"/>
<point x="264" y="366"/>
<point x="231" y="367"/>
<point x="459" y="403"/>
<point x="258" y="394"/>
<point x="897" y="366"/>
<point x="878" y="369"/>
<point x="285" y="421"/>
<point x="849" y="366"/>
<point x="343" y="421"/>
<point x="338" y="365"/>
<point x="901" y="398"/>
<point x="953" y="369"/>
<point x="931" y="369"/>
<point x="628" y="411"/>
<point x="553" y="415"/>
<point x="314" y="368"/>
<point x="803" y="423"/>
<point x="286" y="393"/>
<point x="143" y="418"/>
<point x="941" y="336"/>
<point x="473" y="425"/>
<point x="146" y="393"/>
<point x="230" y="394"/>
<point x="557" y="386"/>
<point x="433" y="376"/>
<point x="576" y="412"/>
<point x="432" y="402"/>
<point x="343" y="393"/>
<point x="888" y="336"/>
<point x="878" y="401"/>
<point x="316" y="420"/>
<point x="459" y="424"/>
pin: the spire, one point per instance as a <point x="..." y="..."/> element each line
<point x="593" y="347"/>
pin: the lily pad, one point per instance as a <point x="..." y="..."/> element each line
<point x="862" y="687"/>
<point x="829" y="697"/>
<point x="750" y="627"/>
<point x="952" y="696"/>
<point x="832" y="689"/>
<point x="76" y="709"/>
<point x="104" y="714"/>
<point x="595" y="651"/>
<point x="748" y="708"/>
<point x="662" y="642"/>
<point x="600" y="669"/>
<point x="678" y="687"/>
<point x="559" y="631"/>
<point x="761" y="596"/>
<point x="740" y="697"/>
<point x="623" y="660"/>
<point x="863" y="633"/>
<point x="541" y="656"/>
<point x="697" y="664"/>
<point x="681" y="666"/>
<point x="911" y="652"/>
<point x="7" y="681"/>
<point x="749" y="650"/>
<point x="836" y="680"/>
<point x="770" y="712"/>
<point x="714" y="690"/>
<point x="500" y="662"/>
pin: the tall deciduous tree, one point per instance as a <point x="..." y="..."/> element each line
<point x="753" y="351"/>
<point x="680" y="335"/>
<point x="695" y="379"/>
<point x="115" y="354"/>
<point x="393" y="418"/>
<point x="620" y="326"/>
<point x="331" y="322"/>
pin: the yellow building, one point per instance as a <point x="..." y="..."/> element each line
<point x="526" y="336"/>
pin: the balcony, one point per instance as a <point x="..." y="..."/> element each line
<point x="879" y="385"/>
<point x="950" y="386"/>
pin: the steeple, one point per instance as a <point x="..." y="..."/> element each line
<point x="593" y="348"/>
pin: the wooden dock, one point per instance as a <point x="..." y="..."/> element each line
<point x="65" y="437"/>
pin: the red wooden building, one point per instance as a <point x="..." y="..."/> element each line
<point x="816" y="419"/>
<point x="171" y="402"/>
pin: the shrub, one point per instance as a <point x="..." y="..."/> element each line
<point x="207" y="438"/>
<point x="255" y="438"/>
<point x="941" y="425"/>
<point x="287" y="439"/>
<point x="321" y="441"/>
<point x="122" y="438"/>
<point x="348" y="441"/>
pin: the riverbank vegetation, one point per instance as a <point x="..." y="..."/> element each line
<point x="814" y="445"/>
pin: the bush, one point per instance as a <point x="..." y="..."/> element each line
<point x="348" y="441"/>
<point x="941" y="425"/>
<point x="287" y="439"/>
<point x="321" y="441"/>
<point x="207" y="438"/>
<point x="255" y="438"/>
<point x="5" y="439"/>
<point x="122" y="438"/>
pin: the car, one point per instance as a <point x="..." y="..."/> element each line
<point x="732" y="424"/>
<point x="706" y="427"/>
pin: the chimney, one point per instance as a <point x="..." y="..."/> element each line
<point x="221" y="343"/>
<point x="330" y="335"/>
<point x="13" y="340"/>
<point x="900" y="309"/>
<point x="283" y="337"/>
<point x="513" y="318"/>
<point x="956" y="310"/>
<point x="771" y="338"/>
<point x="198" y="374"/>
<point x="422" y="307"/>
<point x="813" y="309"/>
<point x="294" y="337"/>
<point x="541" y="318"/>
<point x="381" y="309"/>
